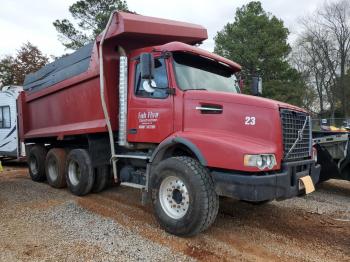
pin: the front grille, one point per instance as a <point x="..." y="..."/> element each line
<point x="296" y="140"/>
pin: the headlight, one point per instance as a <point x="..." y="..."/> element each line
<point x="260" y="161"/>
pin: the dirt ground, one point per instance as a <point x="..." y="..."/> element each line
<point x="39" y="223"/>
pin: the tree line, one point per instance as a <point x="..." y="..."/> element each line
<point x="312" y="73"/>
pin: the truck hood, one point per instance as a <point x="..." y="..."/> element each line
<point x="244" y="125"/>
<point x="238" y="99"/>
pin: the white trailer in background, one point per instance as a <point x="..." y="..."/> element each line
<point x="10" y="145"/>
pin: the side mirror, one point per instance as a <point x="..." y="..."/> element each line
<point x="147" y="66"/>
<point x="256" y="86"/>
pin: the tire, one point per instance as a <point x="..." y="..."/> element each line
<point x="184" y="183"/>
<point x="102" y="178"/>
<point x="80" y="175"/>
<point x="55" y="167"/>
<point x="36" y="163"/>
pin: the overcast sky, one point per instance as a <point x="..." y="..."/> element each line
<point x="31" y="20"/>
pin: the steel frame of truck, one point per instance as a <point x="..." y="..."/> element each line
<point x="183" y="151"/>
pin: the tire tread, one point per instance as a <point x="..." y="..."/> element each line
<point x="212" y="201"/>
<point x="204" y="190"/>
<point x="39" y="152"/>
<point x="82" y="156"/>
<point x="60" y="154"/>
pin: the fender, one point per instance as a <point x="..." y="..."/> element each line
<point x="220" y="149"/>
<point x="173" y="140"/>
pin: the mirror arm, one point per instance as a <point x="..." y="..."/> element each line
<point x="171" y="91"/>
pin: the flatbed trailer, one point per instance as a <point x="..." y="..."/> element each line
<point x="333" y="154"/>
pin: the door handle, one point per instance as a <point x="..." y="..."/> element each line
<point x="202" y="108"/>
<point x="210" y="109"/>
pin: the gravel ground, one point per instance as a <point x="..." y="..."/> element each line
<point x="39" y="223"/>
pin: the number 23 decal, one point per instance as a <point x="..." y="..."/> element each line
<point x="250" y="120"/>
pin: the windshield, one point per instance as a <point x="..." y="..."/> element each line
<point x="194" y="72"/>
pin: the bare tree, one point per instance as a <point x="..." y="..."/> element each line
<point x="315" y="57"/>
<point x="335" y="20"/>
<point x="313" y="98"/>
<point x="322" y="54"/>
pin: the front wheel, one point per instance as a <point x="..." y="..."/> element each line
<point x="183" y="195"/>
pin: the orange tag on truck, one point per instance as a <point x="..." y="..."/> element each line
<point x="306" y="182"/>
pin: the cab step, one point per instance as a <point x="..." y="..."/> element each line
<point x="133" y="185"/>
<point x="134" y="156"/>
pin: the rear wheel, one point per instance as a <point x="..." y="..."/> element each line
<point x="79" y="172"/>
<point x="184" y="198"/>
<point x="36" y="163"/>
<point x="102" y="178"/>
<point x="55" y="167"/>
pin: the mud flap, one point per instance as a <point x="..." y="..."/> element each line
<point x="99" y="149"/>
<point x="329" y="168"/>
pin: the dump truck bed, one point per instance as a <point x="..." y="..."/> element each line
<point x="63" y="98"/>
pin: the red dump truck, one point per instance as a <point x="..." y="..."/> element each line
<point x="145" y="104"/>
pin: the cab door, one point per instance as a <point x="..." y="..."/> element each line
<point x="150" y="114"/>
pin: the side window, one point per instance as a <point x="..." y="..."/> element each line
<point x="160" y="80"/>
<point x="5" y="117"/>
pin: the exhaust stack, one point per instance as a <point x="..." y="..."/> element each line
<point x="103" y="100"/>
<point x="123" y="96"/>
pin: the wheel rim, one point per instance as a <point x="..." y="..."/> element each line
<point x="74" y="172"/>
<point x="52" y="169"/>
<point x="174" y="197"/>
<point x="33" y="164"/>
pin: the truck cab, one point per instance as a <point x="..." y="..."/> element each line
<point x="193" y="96"/>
